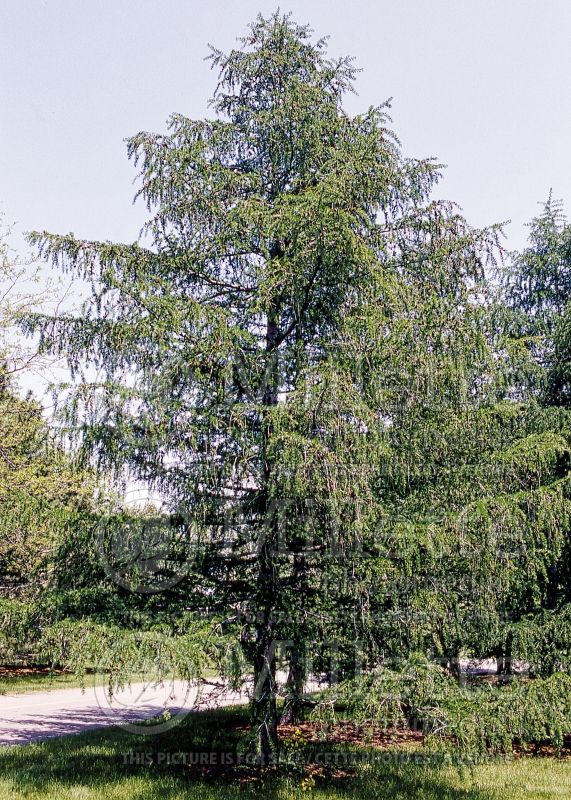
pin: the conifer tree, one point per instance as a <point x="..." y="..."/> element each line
<point x="265" y="350"/>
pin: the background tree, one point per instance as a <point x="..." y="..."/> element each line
<point x="537" y="291"/>
<point x="40" y="493"/>
<point x="38" y="486"/>
<point x="44" y="499"/>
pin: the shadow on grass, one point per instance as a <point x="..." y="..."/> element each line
<point x="115" y="763"/>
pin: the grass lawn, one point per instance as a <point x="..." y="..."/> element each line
<point x="102" y="766"/>
<point x="19" y="681"/>
<point x="15" y="682"/>
<point x="43" y="680"/>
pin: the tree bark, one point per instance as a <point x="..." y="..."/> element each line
<point x="264" y="707"/>
<point x="297" y="668"/>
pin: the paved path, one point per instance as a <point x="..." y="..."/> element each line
<point x="35" y="716"/>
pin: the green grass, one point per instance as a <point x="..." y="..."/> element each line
<point x="91" y="767"/>
<point x="18" y="683"/>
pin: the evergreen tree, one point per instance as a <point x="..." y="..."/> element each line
<point x="538" y="291"/>
<point x="290" y="354"/>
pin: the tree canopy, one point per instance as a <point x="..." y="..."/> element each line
<point x="302" y="355"/>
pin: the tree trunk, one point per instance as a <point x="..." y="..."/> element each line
<point x="504" y="668"/>
<point x="264" y="708"/>
<point x="295" y="686"/>
<point x="297" y="667"/>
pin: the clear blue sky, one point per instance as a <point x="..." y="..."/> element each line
<point x="482" y="85"/>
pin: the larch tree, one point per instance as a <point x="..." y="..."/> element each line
<point x="260" y="349"/>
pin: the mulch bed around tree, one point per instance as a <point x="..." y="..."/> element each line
<point x="311" y="737"/>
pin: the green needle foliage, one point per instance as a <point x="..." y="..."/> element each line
<point x="299" y="355"/>
<point x="538" y="290"/>
<point x="477" y="722"/>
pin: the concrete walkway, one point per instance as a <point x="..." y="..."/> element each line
<point x="35" y="716"/>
